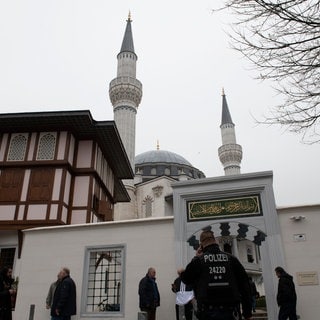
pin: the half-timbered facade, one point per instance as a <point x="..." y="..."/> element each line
<point x="57" y="168"/>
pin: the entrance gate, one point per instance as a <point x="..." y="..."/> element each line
<point x="241" y="206"/>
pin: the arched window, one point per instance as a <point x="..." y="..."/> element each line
<point x="147" y="203"/>
<point x="47" y="146"/>
<point x="17" y="148"/>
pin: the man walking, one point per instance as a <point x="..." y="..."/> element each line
<point x="286" y="296"/>
<point x="64" y="299"/>
<point x="220" y="282"/>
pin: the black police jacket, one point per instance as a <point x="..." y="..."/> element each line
<point x="219" y="279"/>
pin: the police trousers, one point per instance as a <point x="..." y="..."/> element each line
<point x="219" y="313"/>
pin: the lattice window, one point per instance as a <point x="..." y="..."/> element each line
<point x="17" y="148"/>
<point x="104" y="281"/>
<point x="47" y="146"/>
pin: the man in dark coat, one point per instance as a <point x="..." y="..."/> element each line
<point x="64" y="299"/>
<point x="220" y="282"/>
<point x="149" y="297"/>
<point x="6" y="292"/>
<point x="286" y="296"/>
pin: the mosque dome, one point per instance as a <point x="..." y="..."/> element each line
<point x="156" y="163"/>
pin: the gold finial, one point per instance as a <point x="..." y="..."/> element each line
<point x="158" y="147"/>
<point x="223" y="91"/>
<point x="129" y="16"/>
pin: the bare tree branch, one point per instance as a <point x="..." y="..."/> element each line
<point x="281" y="38"/>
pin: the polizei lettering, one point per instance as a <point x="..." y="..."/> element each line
<point x="215" y="257"/>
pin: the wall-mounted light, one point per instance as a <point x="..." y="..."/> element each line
<point x="297" y="218"/>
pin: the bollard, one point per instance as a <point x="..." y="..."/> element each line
<point x="31" y="313"/>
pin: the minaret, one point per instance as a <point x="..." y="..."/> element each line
<point x="230" y="153"/>
<point x="125" y="93"/>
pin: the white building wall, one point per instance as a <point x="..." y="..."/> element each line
<point x="62" y="145"/>
<point x="301" y="240"/>
<point x="84" y="154"/>
<point x="3" y="145"/>
<point x="149" y="242"/>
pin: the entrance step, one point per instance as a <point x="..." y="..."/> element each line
<point x="260" y="315"/>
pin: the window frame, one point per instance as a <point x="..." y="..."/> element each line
<point x="12" y="148"/>
<point x="84" y="296"/>
<point x="4" y="247"/>
<point x="41" y="146"/>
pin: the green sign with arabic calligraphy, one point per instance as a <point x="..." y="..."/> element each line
<point x="224" y="208"/>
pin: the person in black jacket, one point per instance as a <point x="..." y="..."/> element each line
<point x="286" y="296"/>
<point x="220" y="282"/>
<point x="187" y="306"/>
<point x="6" y="293"/>
<point x="149" y="297"/>
<point x="64" y="299"/>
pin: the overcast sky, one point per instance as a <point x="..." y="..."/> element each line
<point x="61" y="55"/>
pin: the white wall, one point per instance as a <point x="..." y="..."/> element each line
<point x="302" y="255"/>
<point x="149" y="242"/>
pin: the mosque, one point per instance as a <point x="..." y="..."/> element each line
<point x="73" y="192"/>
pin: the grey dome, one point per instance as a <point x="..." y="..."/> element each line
<point x="157" y="163"/>
<point x="160" y="156"/>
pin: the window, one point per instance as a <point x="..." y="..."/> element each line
<point x="104" y="279"/>
<point x="250" y="254"/>
<point x="47" y="145"/>
<point x="147" y="203"/>
<point x="17" y="148"/>
<point x="7" y="257"/>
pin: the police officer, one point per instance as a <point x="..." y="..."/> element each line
<point x="220" y="282"/>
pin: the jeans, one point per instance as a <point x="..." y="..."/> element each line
<point x="151" y="313"/>
<point x="253" y="300"/>
<point x="188" y="311"/>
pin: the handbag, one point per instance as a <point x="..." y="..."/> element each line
<point x="183" y="296"/>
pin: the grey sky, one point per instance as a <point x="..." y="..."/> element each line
<point x="61" y="55"/>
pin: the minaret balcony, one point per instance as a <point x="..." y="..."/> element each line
<point x="124" y="90"/>
<point x="230" y="152"/>
<point x="125" y="81"/>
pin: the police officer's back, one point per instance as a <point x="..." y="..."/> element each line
<point x="220" y="282"/>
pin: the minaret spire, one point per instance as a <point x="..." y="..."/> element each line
<point x="230" y="153"/>
<point x="127" y="43"/>
<point x="125" y="93"/>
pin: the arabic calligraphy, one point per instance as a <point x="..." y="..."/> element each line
<point x="224" y="208"/>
